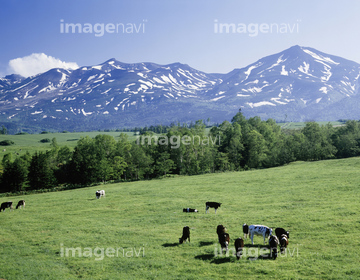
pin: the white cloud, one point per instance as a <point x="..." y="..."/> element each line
<point x="37" y="63"/>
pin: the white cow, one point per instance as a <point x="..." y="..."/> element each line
<point x="100" y="193"/>
<point x="259" y="230"/>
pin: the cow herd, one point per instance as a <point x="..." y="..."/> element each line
<point x="281" y="237"/>
<point x="9" y="205"/>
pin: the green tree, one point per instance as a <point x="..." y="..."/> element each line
<point x="257" y="150"/>
<point x="119" y="166"/>
<point x="40" y="175"/>
<point x="15" y="175"/>
<point x="164" y="164"/>
<point x="318" y="143"/>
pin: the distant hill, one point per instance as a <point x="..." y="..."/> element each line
<point x="297" y="84"/>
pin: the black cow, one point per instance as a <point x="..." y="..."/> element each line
<point x="283" y="243"/>
<point x="281" y="231"/>
<point x="224" y="237"/>
<point x="20" y="204"/>
<point x="215" y="205"/>
<point x="5" y="205"/>
<point x="185" y="235"/>
<point x="189" y="210"/>
<point x="239" y="245"/>
<point x="273" y="242"/>
<point x="245" y="230"/>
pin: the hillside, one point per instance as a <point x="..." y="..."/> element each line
<point x="316" y="201"/>
<point x="297" y="84"/>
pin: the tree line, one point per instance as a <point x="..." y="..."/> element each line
<point x="241" y="144"/>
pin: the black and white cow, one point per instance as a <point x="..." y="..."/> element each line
<point x="245" y="230"/>
<point x="20" y="204"/>
<point x="185" y="235"/>
<point x="188" y="210"/>
<point x="281" y="231"/>
<point x="273" y="242"/>
<point x="215" y="205"/>
<point x="283" y="243"/>
<point x="5" y="205"/>
<point x="239" y="245"/>
<point x="100" y="193"/>
<point x="224" y="237"/>
<point x="259" y="230"/>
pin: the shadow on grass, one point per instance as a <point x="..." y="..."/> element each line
<point x="265" y="257"/>
<point x="205" y="243"/>
<point x="221" y="260"/>
<point x="170" y="244"/>
<point x="215" y="260"/>
<point x="205" y="257"/>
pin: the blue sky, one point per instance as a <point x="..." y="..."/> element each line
<point x="173" y="31"/>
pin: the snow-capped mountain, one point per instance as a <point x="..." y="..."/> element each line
<point x="112" y="94"/>
<point x="299" y="84"/>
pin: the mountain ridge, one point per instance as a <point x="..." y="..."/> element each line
<point x="297" y="84"/>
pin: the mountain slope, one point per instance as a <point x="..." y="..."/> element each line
<point x="296" y="84"/>
<point x="112" y="94"/>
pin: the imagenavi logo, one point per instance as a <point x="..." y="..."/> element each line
<point x="254" y="29"/>
<point x="100" y="29"/>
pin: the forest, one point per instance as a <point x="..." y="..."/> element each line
<point x="240" y="145"/>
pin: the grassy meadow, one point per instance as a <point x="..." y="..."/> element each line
<point x="300" y="125"/>
<point x="133" y="232"/>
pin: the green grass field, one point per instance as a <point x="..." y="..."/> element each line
<point x="133" y="232"/>
<point x="300" y="125"/>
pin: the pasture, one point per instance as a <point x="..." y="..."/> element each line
<point x="300" y="125"/>
<point x="133" y="232"/>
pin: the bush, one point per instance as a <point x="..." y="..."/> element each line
<point x="45" y="140"/>
<point x="7" y="143"/>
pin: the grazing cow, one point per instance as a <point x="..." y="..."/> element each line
<point x="245" y="230"/>
<point x="224" y="237"/>
<point x="281" y="231"/>
<point x="215" y="205"/>
<point x="259" y="230"/>
<point x="239" y="245"/>
<point x="185" y="235"/>
<point x="189" y="210"/>
<point x="100" y="193"/>
<point x="20" y="203"/>
<point x="283" y="243"/>
<point x="273" y="242"/>
<point x="5" y="205"/>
